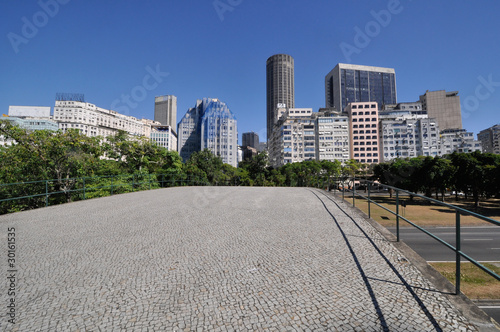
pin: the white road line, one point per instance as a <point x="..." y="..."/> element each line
<point x="462" y="261"/>
<point x="489" y="306"/>
<point x="465" y="227"/>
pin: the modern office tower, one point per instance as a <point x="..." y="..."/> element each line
<point x="407" y="133"/>
<point x="219" y="132"/>
<point x="72" y="112"/>
<point x="164" y="136"/>
<point x="332" y="135"/>
<point x="293" y="137"/>
<point x="210" y="124"/>
<point x="444" y="107"/>
<point x="354" y="83"/>
<point x="166" y="110"/>
<point x="189" y="129"/>
<point x="363" y="132"/>
<point x="250" y="139"/>
<point x="280" y="88"/>
<point x="458" y="140"/>
<point x="490" y="139"/>
<point x="30" y="124"/>
<point x="33" y="123"/>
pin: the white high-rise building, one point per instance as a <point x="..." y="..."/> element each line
<point x="402" y="137"/>
<point x="458" y="140"/>
<point x="293" y="137"/>
<point x="332" y="135"/>
<point x="490" y="139"/>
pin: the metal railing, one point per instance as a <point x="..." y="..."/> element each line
<point x="351" y="189"/>
<point x="29" y="195"/>
<point x="35" y="194"/>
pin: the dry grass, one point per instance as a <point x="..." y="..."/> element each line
<point x="474" y="283"/>
<point x="419" y="212"/>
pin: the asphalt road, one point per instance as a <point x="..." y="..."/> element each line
<point x="480" y="243"/>
<point x="492" y="310"/>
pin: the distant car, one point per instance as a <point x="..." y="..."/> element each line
<point x="459" y="194"/>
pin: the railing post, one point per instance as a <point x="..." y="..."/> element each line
<point x="397" y="215"/>
<point x="457" y="252"/>
<point x="84" y="188"/>
<point x="162" y="180"/>
<point x="133" y="182"/>
<point x="354" y="192"/>
<point x="369" y="211"/>
<point x="112" y="177"/>
<point x="46" y="193"/>
<point x="149" y="181"/>
<point x="343" y="189"/>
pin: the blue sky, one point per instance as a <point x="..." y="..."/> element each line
<point x="205" y="48"/>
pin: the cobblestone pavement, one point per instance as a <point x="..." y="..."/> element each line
<point x="214" y="259"/>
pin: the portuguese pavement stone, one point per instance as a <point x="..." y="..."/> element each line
<point x="214" y="259"/>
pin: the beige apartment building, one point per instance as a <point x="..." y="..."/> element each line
<point x="444" y="107"/>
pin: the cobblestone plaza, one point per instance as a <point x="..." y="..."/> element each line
<point x="215" y="259"/>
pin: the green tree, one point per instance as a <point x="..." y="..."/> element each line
<point x="330" y="170"/>
<point x="207" y="164"/>
<point x="44" y="154"/>
<point x="257" y="168"/>
<point x="140" y="155"/>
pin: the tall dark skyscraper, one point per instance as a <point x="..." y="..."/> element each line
<point x="354" y="83"/>
<point x="250" y="139"/>
<point x="280" y="87"/>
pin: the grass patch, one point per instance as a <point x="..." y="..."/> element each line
<point x="474" y="283"/>
<point x="423" y="214"/>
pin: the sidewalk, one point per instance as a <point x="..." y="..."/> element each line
<point x="216" y="259"/>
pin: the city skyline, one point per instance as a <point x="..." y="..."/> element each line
<point x="127" y="50"/>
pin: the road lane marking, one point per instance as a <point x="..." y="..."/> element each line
<point x="462" y="261"/>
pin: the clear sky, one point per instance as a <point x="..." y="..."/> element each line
<point x="109" y="50"/>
